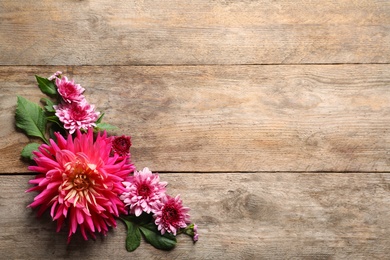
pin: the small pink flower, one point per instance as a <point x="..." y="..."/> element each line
<point x="77" y="115"/>
<point x="144" y="192"/>
<point x="80" y="182"/>
<point x="121" y="145"/>
<point x="196" y="235"/>
<point x="55" y="75"/>
<point x="69" y="91"/>
<point x="195" y="228"/>
<point x="172" y="215"/>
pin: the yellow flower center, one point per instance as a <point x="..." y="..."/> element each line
<point x="80" y="182"/>
<point x="79" y="176"/>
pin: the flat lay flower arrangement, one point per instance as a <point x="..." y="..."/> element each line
<point x="85" y="177"/>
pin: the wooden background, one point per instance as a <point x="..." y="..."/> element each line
<point x="270" y="118"/>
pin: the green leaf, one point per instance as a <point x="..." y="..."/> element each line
<point x="55" y="119"/>
<point x="49" y="105"/>
<point x="58" y="126"/>
<point x="143" y="219"/>
<point x="133" y="239"/>
<point x="154" y="237"/>
<point x="105" y="126"/>
<point x="100" y="118"/>
<point x="28" y="149"/>
<point x="48" y="87"/>
<point x="30" y="118"/>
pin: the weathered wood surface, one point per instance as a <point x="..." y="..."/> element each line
<point x="240" y="215"/>
<point x="126" y="32"/>
<point x="248" y="89"/>
<point x="228" y="118"/>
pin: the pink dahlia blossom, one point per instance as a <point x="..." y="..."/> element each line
<point x="69" y="91"/>
<point x="80" y="182"/>
<point x="172" y="215"/>
<point x="121" y="145"/>
<point x="144" y="192"/>
<point x="77" y="115"/>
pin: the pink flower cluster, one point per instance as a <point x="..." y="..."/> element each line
<point x="89" y="182"/>
<point x="86" y="181"/>
<point x="145" y="193"/>
<point x="74" y="111"/>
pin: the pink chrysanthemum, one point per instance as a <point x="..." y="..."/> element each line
<point x="144" y="192"/>
<point x="79" y="181"/>
<point x="172" y="215"/>
<point x="69" y="91"/>
<point x="77" y="115"/>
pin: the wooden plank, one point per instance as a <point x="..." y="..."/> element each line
<point x="240" y="216"/>
<point x="228" y="118"/>
<point x="193" y="32"/>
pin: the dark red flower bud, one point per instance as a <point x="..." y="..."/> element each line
<point x="121" y="145"/>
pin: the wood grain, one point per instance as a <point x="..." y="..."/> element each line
<point x="228" y="118"/>
<point x="270" y="118"/>
<point x="154" y="32"/>
<point x="240" y="216"/>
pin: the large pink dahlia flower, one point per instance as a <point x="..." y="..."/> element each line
<point x="79" y="181"/>
<point x="144" y="192"/>
<point x="172" y="215"/>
